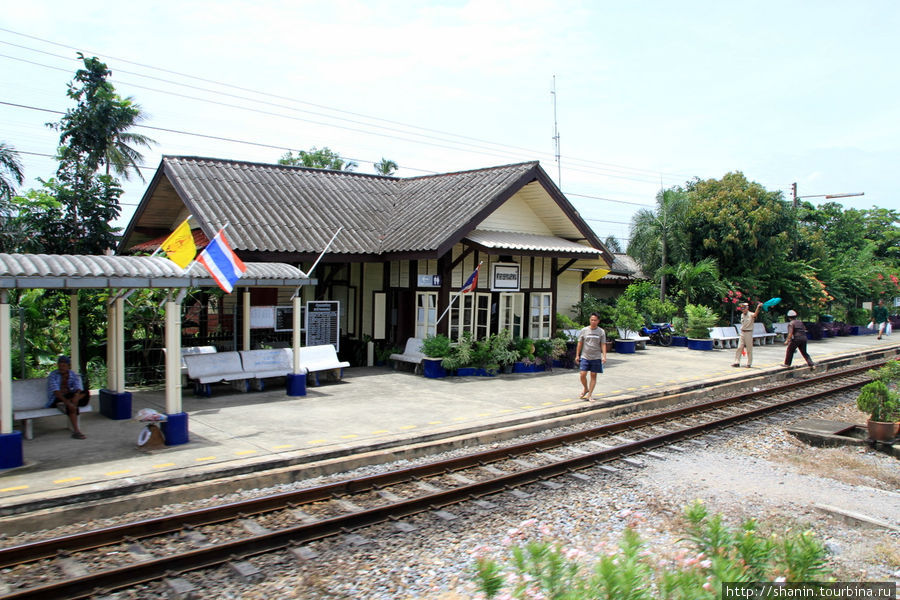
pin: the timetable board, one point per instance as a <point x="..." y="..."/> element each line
<point x="323" y="323"/>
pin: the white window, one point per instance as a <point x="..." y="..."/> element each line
<point x="472" y="313"/>
<point x="482" y="316"/>
<point x="512" y="312"/>
<point x="541" y="305"/>
<point x="426" y="314"/>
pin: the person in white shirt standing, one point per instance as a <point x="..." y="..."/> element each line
<point x="746" y="342"/>
<point x="590" y="354"/>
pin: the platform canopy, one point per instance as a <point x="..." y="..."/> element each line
<point x="54" y="271"/>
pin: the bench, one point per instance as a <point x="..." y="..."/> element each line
<point x="411" y="354"/>
<point x="760" y="335"/>
<point x="781" y="331"/>
<point x="29" y="398"/>
<point x="321" y="358"/>
<point x="193" y="350"/>
<point x="627" y="334"/>
<point x="205" y="369"/>
<point x="724" y="337"/>
<point x="262" y="364"/>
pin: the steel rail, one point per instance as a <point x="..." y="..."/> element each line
<point x="154" y="569"/>
<point x="156" y="526"/>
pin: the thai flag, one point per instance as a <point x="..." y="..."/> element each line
<point x="472" y="282"/>
<point x="222" y="263"/>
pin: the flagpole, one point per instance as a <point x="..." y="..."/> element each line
<point x="315" y="264"/>
<point x="452" y="300"/>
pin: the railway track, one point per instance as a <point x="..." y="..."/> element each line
<point x="98" y="561"/>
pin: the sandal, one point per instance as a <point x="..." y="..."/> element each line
<point x="78" y="435"/>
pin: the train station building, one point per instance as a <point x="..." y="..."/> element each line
<point x="404" y="246"/>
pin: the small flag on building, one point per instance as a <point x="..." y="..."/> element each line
<point x="595" y="275"/>
<point x="179" y="246"/>
<point x="222" y="263"/>
<point x="472" y="282"/>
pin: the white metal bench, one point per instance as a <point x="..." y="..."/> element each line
<point x="627" y="334"/>
<point x="760" y="335"/>
<point x="205" y="369"/>
<point x="29" y="398"/>
<point x="724" y="337"/>
<point x="411" y="354"/>
<point x="321" y="358"/>
<point x="781" y="331"/>
<point x="262" y="364"/>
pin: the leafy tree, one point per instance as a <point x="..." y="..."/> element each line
<point x="317" y="159"/>
<point x="92" y="134"/>
<point x="10" y="171"/>
<point x="386" y="167"/>
<point x="746" y="229"/>
<point x="121" y="156"/>
<point x="612" y="244"/>
<point x="659" y="237"/>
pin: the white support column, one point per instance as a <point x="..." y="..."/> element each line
<point x="6" y="409"/>
<point x="173" y="356"/>
<point x="119" y="309"/>
<point x="297" y="325"/>
<point x="74" y="352"/>
<point x="246" y="318"/>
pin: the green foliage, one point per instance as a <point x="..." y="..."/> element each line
<point x="11" y="172"/>
<point x="325" y="158"/>
<point x="525" y="349"/>
<point x="699" y="320"/>
<point x="385" y="167"/>
<point x="696" y="279"/>
<point x="659" y="237"/>
<point x="716" y="553"/>
<point x="877" y="399"/>
<point x="590" y="304"/>
<point x="857" y="316"/>
<point x="503" y="349"/>
<point x="436" y="346"/>
<point x="626" y="315"/>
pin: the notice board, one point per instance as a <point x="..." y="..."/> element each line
<point x="323" y="323"/>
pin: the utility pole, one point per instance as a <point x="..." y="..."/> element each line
<point x="794" y="194"/>
<point x="556" y="138"/>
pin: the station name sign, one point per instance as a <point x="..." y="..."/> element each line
<point x="505" y="277"/>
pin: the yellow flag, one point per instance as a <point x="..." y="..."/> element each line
<point x="179" y="246"/>
<point x="594" y="275"/>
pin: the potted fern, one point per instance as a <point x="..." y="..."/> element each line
<point x="699" y="319"/>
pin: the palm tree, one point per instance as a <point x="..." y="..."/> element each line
<point x="11" y="172"/>
<point x="386" y="167"/>
<point x="120" y="155"/>
<point x="658" y="236"/>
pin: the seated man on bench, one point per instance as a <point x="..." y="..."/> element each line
<point x="65" y="392"/>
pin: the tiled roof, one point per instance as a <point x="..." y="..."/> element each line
<point x="279" y="208"/>
<point x="271" y="208"/>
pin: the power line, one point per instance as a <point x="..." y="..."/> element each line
<point x="585" y="164"/>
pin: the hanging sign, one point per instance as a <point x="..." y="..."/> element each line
<point x="505" y="277"/>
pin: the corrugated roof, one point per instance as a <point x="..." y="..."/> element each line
<point x="503" y="240"/>
<point x="82" y="271"/>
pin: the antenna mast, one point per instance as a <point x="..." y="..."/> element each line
<point x="556" y="138"/>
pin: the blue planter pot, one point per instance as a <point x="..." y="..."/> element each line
<point x="433" y="369"/>
<point x="473" y="372"/>
<point x="520" y="367"/>
<point x="679" y="340"/>
<point x="625" y="346"/>
<point x="856" y="330"/>
<point x="699" y="344"/>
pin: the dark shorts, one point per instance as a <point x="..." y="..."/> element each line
<point x="592" y="365"/>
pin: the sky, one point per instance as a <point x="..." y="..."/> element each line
<point x="647" y="94"/>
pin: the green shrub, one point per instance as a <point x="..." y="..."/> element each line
<point x="857" y="316"/>
<point x="699" y="320"/>
<point x="626" y="315"/>
<point x="879" y="401"/>
<point x="719" y="553"/>
<point x="460" y="355"/>
<point x="436" y="346"/>
<point x="502" y="348"/>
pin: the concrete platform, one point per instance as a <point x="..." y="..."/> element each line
<point x="372" y="408"/>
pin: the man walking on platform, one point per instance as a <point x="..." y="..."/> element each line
<point x="746" y="342"/>
<point x="879" y="318"/>
<point x="590" y="354"/>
